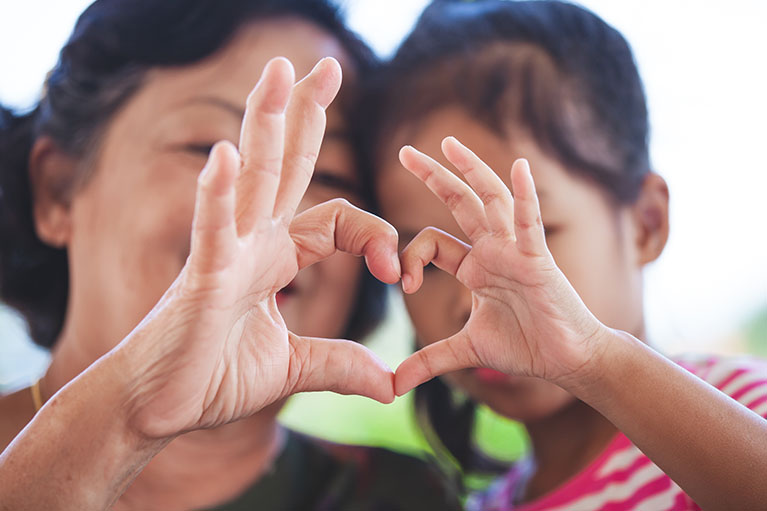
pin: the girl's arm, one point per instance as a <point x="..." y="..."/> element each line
<point x="527" y="319"/>
<point x="215" y="348"/>
<point x="713" y="447"/>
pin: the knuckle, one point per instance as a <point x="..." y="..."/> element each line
<point x="391" y="235"/>
<point x="339" y="203"/>
<point x="488" y="197"/>
<point x="426" y="360"/>
<point x="304" y="161"/>
<point x="526" y="224"/>
<point x="266" y="164"/>
<point x="453" y="199"/>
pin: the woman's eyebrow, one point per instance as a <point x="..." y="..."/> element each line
<point x="340" y="134"/>
<point x="222" y="103"/>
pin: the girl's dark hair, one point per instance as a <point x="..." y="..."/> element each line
<point x="113" y="44"/>
<point x="549" y="70"/>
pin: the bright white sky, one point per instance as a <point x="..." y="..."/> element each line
<point x="704" y="69"/>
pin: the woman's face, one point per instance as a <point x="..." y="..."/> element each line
<point x="589" y="238"/>
<point x="131" y="222"/>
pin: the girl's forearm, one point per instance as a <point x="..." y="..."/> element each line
<point x="713" y="447"/>
<point x="79" y="452"/>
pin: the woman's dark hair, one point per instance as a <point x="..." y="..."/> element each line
<point x="113" y="45"/>
<point x="549" y="70"/>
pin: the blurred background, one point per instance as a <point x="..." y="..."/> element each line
<point x="703" y="67"/>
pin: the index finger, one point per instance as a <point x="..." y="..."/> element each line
<point x="460" y="199"/>
<point x="335" y="225"/>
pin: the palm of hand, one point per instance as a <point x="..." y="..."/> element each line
<point x="249" y="362"/>
<point x="526" y="319"/>
<point x="228" y="352"/>
<point x="515" y="308"/>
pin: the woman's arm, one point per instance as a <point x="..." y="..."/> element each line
<point x="527" y="319"/>
<point x="80" y="451"/>
<point x="215" y="348"/>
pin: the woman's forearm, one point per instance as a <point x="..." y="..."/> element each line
<point x="714" y="448"/>
<point x="79" y="452"/>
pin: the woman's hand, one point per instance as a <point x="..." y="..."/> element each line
<point x="215" y="348"/>
<point x="526" y="319"/>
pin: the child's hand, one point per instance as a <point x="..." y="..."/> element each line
<point x="526" y="318"/>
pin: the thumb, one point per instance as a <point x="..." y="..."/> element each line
<point x="340" y="366"/>
<point x="436" y="359"/>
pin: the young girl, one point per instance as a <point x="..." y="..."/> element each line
<point x="537" y="313"/>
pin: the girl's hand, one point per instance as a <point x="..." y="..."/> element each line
<point x="215" y="348"/>
<point x="526" y="319"/>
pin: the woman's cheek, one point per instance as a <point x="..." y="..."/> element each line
<point x="168" y="199"/>
<point x="328" y="296"/>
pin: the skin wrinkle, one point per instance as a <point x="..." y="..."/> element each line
<point x="148" y="154"/>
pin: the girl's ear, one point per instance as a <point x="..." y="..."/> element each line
<point x="650" y="213"/>
<point x="51" y="176"/>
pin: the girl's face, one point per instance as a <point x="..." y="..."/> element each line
<point x="591" y="240"/>
<point x="130" y="224"/>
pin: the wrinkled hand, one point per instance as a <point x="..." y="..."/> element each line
<point x="215" y="348"/>
<point x="526" y="319"/>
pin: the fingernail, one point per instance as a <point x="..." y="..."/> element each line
<point x="406" y="281"/>
<point x="207" y="174"/>
<point x="320" y="63"/>
<point x="317" y="65"/>
<point x="396" y="265"/>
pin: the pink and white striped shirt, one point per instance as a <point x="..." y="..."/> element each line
<point x="622" y="478"/>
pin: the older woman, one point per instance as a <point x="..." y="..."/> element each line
<point x="98" y="190"/>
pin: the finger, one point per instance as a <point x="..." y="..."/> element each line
<point x="430" y="246"/>
<point x="436" y="359"/>
<point x="214" y="231"/>
<point x="304" y="132"/>
<point x="528" y="225"/>
<point x="337" y="225"/>
<point x="492" y="191"/>
<point x="262" y="141"/>
<point x="340" y="366"/>
<point x="463" y="203"/>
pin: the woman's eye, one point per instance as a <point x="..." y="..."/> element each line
<point x="203" y="149"/>
<point x="335" y="182"/>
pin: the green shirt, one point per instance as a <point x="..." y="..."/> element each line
<point x="314" y="475"/>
